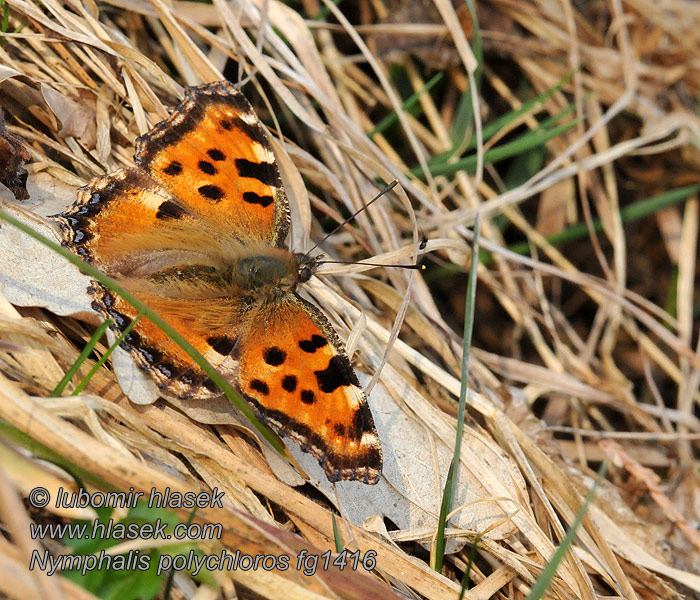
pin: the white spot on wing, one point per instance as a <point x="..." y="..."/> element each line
<point x="248" y="118"/>
<point x="370" y="440"/>
<point x="262" y="154"/>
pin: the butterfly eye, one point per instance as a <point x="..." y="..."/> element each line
<point x="305" y="273"/>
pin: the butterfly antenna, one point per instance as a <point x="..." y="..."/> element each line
<point x="387" y="189"/>
<point x="368" y="264"/>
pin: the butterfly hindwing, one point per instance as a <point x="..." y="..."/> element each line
<point x="170" y="367"/>
<point x="294" y="369"/>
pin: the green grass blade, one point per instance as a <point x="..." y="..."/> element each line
<point x="499" y="123"/>
<point x="412" y="100"/>
<point x="552" y="120"/>
<point x="451" y="481"/>
<point x="439" y="551"/>
<point x="524" y="143"/>
<point x="495" y="125"/>
<point x="467" y="572"/>
<point x="5" y="17"/>
<point x="628" y="214"/>
<point x="89" y="347"/>
<point x="103" y="359"/>
<point x="140" y="306"/>
<point x="545" y="579"/>
<point x="336" y="535"/>
<point x="464" y="116"/>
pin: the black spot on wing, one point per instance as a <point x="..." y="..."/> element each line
<point x="289" y="383"/>
<point x="206" y="167"/>
<point x="337" y="374"/>
<point x="339" y="429"/>
<point x="169" y="210"/>
<point x="227" y="124"/>
<point x="253" y="198"/>
<point x="254" y="131"/>
<point x="274" y="356"/>
<point x="316" y="342"/>
<point x="307" y="397"/>
<point x="211" y="192"/>
<point x="259" y="386"/>
<point x="361" y="421"/>
<point x="174" y="168"/>
<point x="222" y="344"/>
<point x="264" y="172"/>
<point x="216" y="154"/>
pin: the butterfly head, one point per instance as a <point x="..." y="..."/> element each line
<point x="307" y="266"/>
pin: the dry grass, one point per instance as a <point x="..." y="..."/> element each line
<point x="598" y="337"/>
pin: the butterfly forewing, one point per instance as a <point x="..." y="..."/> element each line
<point x="214" y="155"/>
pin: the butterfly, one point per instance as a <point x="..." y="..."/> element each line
<point x="196" y="230"/>
<point x="13" y="155"/>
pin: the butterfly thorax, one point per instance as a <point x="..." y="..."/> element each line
<point x="274" y="270"/>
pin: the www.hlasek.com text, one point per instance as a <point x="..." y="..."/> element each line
<point x="111" y="529"/>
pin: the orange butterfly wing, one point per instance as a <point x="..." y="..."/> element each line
<point x="294" y="370"/>
<point x="135" y="232"/>
<point x="214" y="155"/>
